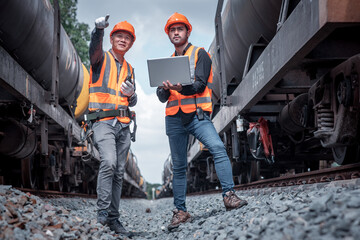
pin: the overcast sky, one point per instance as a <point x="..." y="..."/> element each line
<point x="149" y="18"/>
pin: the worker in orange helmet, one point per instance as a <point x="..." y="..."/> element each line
<point x="188" y="112"/>
<point x="112" y="92"/>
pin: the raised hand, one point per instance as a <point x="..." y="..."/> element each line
<point x="102" y="22"/>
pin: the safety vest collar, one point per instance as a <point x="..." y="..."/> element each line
<point x="106" y="74"/>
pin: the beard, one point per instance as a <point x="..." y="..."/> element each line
<point x="179" y="42"/>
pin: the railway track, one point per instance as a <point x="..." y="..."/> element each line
<point x="55" y="194"/>
<point x="58" y="194"/>
<point x="346" y="172"/>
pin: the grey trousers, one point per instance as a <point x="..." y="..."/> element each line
<point x="113" y="144"/>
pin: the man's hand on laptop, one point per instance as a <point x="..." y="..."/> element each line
<point x="168" y="85"/>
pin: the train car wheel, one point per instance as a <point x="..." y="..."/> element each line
<point x="254" y="171"/>
<point x="250" y="172"/>
<point x="28" y="172"/>
<point x="46" y="184"/>
<point x="346" y="154"/>
<point x="66" y="184"/>
<point x="85" y="187"/>
<point x="59" y="186"/>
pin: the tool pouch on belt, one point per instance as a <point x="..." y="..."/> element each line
<point x="133" y="132"/>
<point x="86" y="134"/>
<point x="199" y="111"/>
<point x="86" y="131"/>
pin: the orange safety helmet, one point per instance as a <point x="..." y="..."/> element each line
<point x="124" y="26"/>
<point x="177" y="18"/>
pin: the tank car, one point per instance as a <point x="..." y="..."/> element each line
<point x="137" y="186"/>
<point x="165" y="189"/>
<point x="286" y="88"/>
<point x="43" y="96"/>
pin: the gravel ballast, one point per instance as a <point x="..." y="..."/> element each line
<point x="317" y="211"/>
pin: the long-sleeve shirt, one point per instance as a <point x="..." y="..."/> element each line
<point x="97" y="56"/>
<point x="202" y="73"/>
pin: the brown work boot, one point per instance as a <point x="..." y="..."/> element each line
<point x="231" y="201"/>
<point x="178" y="218"/>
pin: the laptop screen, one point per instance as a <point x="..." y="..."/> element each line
<point x="174" y="69"/>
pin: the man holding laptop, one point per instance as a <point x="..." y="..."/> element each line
<point x="188" y="112"/>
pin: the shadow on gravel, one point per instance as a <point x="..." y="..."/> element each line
<point x="138" y="234"/>
<point x="200" y="219"/>
<point x="208" y="214"/>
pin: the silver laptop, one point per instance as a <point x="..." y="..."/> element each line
<point x="174" y="69"/>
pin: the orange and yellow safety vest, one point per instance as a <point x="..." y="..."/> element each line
<point x="188" y="104"/>
<point x="105" y="93"/>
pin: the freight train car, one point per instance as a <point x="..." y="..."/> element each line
<point x="167" y="176"/>
<point x="286" y="89"/>
<point x="43" y="95"/>
<point x="138" y="185"/>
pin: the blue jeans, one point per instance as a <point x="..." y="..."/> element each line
<point x="205" y="132"/>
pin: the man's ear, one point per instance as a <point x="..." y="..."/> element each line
<point x="111" y="40"/>
<point x="188" y="33"/>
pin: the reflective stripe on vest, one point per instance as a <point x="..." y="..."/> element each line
<point x="188" y="103"/>
<point x="172" y="103"/>
<point x="199" y="100"/>
<point x="192" y="65"/>
<point x="105" y="93"/>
